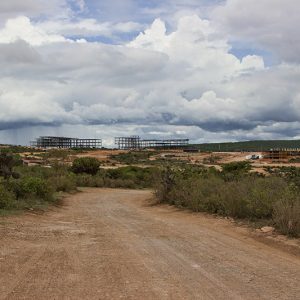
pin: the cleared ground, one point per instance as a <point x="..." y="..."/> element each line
<point x="195" y="158"/>
<point x="112" y="244"/>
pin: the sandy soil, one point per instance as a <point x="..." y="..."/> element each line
<point x="112" y="244"/>
<point x="101" y="155"/>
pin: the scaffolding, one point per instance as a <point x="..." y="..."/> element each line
<point x="136" y="143"/>
<point x="65" y="142"/>
<point x="282" y="154"/>
<point x="128" y="143"/>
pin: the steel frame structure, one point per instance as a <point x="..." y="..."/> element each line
<point x="278" y="154"/>
<point x="128" y="143"/>
<point x="65" y="142"/>
<point x="135" y="143"/>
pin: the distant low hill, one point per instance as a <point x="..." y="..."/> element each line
<point x="248" y="145"/>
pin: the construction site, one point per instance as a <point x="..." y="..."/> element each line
<point x="282" y="154"/>
<point x="136" y="143"/>
<point x="156" y="151"/>
<point x="66" y="143"/>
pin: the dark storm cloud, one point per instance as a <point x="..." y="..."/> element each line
<point x="221" y="126"/>
<point x="175" y="81"/>
<point x="25" y="124"/>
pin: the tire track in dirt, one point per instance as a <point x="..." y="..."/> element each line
<point x="111" y="244"/>
<point x="20" y="272"/>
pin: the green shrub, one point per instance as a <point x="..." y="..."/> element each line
<point x="87" y="180"/>
<point x="286" y="215"/>
<point x="236" y="168"/>
<point x="119" y="183"/>
<point x="263" y="193"/>
<point x="7" y="198"/>
<point x="126" y="177"/>
<point x="88" y="165"/>
<point x="32" y="187"/>
<point x="36" y="171"/>
<point x="291" y="174"/>
<point x="141" y="177"/>
<point x="65" y="183"/>
<point x="247" y="196"/>
<point x="164" y="185"/>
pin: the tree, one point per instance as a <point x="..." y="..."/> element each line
<point x="7" y="163"/>
<point x="89" y="165"/>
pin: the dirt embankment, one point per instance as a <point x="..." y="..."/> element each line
<point x="111" y="244"/>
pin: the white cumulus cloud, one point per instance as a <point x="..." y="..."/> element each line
<point x="20" y="28"/>
<point x="177" y="82"/>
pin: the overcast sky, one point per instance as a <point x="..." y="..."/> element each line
<point x="210" y="70"/>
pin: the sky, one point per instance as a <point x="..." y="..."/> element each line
<point x="208" y="70"/>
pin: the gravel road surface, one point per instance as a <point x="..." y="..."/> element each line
<point x="113" y="244"/>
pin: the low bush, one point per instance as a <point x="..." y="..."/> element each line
<point x="237" y="167"/>
<point x="65" y="183"/>
<point x="32" y="187"/>
<point x="286" y="215"/>
<point x="290" y="174"/>
<point x="36" y="171"/>
<point x="125" y="177"/>
<point x="7" y="198"/>
<point x="35" y="186"/>
<point x="141" y="177"/>
<point x="88" y="165"/>
<point x="134" y="157"/>
<point x="87" y="180"/>
<point x="120" y="183"/>
<point x="248" y="198"/>
<point x="245" y="196"/>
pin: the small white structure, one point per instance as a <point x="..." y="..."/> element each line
<point x="254" y="156"/>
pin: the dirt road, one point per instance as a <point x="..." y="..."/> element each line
<point x="111" y="244"/>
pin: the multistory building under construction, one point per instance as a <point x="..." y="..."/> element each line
<point x="66" y="142"/>
<point x="135" y="143"/>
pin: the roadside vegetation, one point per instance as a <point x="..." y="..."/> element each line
<point x="125" y="177"/>
<point x="23" y="187"/>
<point x="35" y="187"/>
<point x="234" y="192"/>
